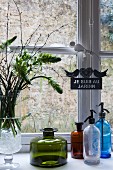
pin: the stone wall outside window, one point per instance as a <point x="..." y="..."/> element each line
<point x="47" y="107"/>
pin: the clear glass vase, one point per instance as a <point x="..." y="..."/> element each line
<point x="10" y="141"/>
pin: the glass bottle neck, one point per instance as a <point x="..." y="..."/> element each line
<point x="91" y="124"/>
<point x="48" y="134"/>
<point x="102" y="118"/>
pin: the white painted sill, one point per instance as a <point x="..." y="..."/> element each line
<point x="26" y="138"/>
<point x="72" y="164"/>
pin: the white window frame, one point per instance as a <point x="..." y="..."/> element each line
<point x="87" y="99"/>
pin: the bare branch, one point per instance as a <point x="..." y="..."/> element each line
<point x="36" y="43"/>
<point x="51" y="68"/>
<point x="7" y="32"/>
<point x="39" y="49"/>
<point x="20" y="15"/>
<point x="7" y="35"/>
<point x="29" y="39"/>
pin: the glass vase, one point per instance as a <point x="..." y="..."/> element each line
<point x="49" y="150"/>
<point x="10" y="141"/>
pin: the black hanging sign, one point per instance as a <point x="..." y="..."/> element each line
<point x="87" y="82"/>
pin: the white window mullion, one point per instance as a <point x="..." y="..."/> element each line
<point x="88" y="99"/>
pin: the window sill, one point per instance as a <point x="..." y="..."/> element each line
<point x="24" y="158"/>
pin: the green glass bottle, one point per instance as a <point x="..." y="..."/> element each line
<point x="48" y="151"/>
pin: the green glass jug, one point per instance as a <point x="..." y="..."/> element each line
<point x="48" y="151"/>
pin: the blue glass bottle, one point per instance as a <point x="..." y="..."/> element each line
<point x="105" y="133"/>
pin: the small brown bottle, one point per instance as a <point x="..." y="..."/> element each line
<point x="77" y="142"/>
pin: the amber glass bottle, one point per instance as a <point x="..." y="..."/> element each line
<point x="48" y="151"/>
<point x="77" y="142"/>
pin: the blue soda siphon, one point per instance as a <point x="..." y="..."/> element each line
<point x="91" y="142"/>
<point x="105" y="133"/>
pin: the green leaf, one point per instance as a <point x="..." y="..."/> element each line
<point x="55" y="86"/>
<point x="26" y="116"/>
<point x="18" y="124"/>
<point x="21" y="69"/>
<point x="8" y="42"/>
<point x="25" y="78"/>
<point x="47" y="58"/>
